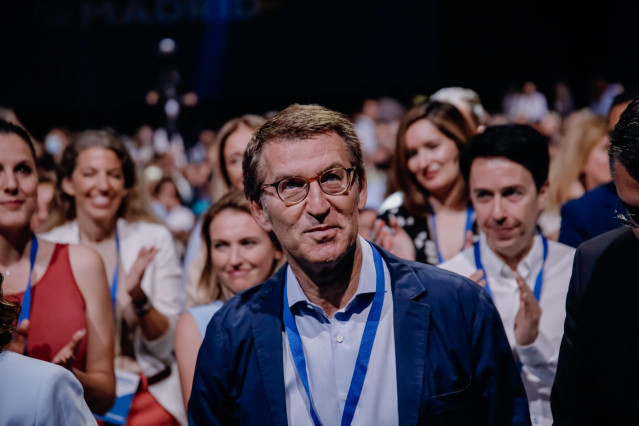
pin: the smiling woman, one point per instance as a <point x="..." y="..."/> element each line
<point x="435" y="212"/>
<point x="239" y="255"/>
<point x="66" y="315"/>
<point x="101" y="209"/>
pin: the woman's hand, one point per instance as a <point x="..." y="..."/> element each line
<point x="134" y="277"/>
<point x="66" y="356"/>
<point x="393" y="238"/>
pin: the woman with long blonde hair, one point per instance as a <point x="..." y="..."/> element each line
<point x="239" y="255"/>
<point x="580" y="165"/>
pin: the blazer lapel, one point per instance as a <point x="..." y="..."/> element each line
<point x="411" y="321"/>
<point x="267" y="335"/>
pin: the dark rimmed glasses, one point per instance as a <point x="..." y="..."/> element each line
<point x="294" y="189"/>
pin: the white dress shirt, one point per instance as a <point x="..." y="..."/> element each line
<point x="539" y="359"/>
<point x="331" y="346"/>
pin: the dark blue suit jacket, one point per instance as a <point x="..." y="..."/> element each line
<point x="598" y="367"/>
<point x="589" y="215"/>
<point x="454" y="363"/>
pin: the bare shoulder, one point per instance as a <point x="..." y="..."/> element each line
<point x="185" y="324"/>
<point x="84" y="257"/>
<point x="87" y="265"/>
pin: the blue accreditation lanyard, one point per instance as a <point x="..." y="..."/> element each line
<point x="114" y="281"/>
<point x="25" y="312"/>
<point x="363" y="356"/>
<point x="540" y="276"/>
<point x="469" y="227"/>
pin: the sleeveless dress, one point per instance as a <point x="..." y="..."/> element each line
<point x="203" y="314"/>
<point x="57" y="310"/>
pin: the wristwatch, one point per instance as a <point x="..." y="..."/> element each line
<point x="142" y="307"/>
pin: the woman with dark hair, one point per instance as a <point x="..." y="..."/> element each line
<point x="101" y="208"/>
<point x="432" y="204"/>
<point x="66" y="316"/>
<point x="239" y="255"/>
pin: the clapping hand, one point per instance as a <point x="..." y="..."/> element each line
<point x="478" y="277"/>
<point x="393" y="238"/>
<point x="134" y="277"/>
<point x="66" y="356"/>
<point x="527" y="318"/>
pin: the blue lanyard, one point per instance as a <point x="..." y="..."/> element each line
<point x="540" y="275"/>
<point x="114" y="281"/>
<point x="469" y="227"/>
<point x="25" y="312"/>
<point x="363" y="356"/>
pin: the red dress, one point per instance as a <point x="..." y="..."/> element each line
<point x="57" y="310"/>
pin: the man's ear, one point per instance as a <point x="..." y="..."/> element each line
<point x="261" y="216"/>
<point x="542" y="197"/>
<point x="361" y="203"/>
<point x="67" y="187"/>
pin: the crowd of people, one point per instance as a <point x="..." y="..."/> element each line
<point x="129" y="266"/>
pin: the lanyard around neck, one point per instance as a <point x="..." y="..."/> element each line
<point x="114" y="281"/>
<point x="363" y="356"/>
<point x="469" y="227"/>
<point x="540" y="276"/>
<point x="25" y="312"/>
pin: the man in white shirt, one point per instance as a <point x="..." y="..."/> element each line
<point x="526" y="275"/>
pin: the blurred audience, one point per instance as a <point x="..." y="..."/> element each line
<point x="467" y="102"/>
<point x="526" y="106"/>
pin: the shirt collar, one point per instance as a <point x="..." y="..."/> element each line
<point x="527" y="266"/>
<point x="367" y="279"/>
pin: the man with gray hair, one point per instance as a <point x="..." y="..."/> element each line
<point x="345" y="332"/>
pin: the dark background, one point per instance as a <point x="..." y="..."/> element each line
<point x="90" y="63"/>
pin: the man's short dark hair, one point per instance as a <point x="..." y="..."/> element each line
<point x="516" y="142"/>
<point x="298" y="122"/>
<point x="624" y="141"/>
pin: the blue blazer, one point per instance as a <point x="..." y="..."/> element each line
<point x="454" y="363"/>
<point x="590" y="215"/>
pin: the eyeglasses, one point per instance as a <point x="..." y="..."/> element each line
<point x="630" y="220"/>
<point x="294" y="189"/>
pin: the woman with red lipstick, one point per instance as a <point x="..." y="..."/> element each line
<point x="101" y="208"/>
<point x="239" y="256"/>
<point x="66" y="316"/>
<point x="434" y="211"/>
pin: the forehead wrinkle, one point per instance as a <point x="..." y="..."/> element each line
<point x="263" y="168"/>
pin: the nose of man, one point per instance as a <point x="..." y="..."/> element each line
<point x="497" y="210"/>
<point x="317" y="204"/>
